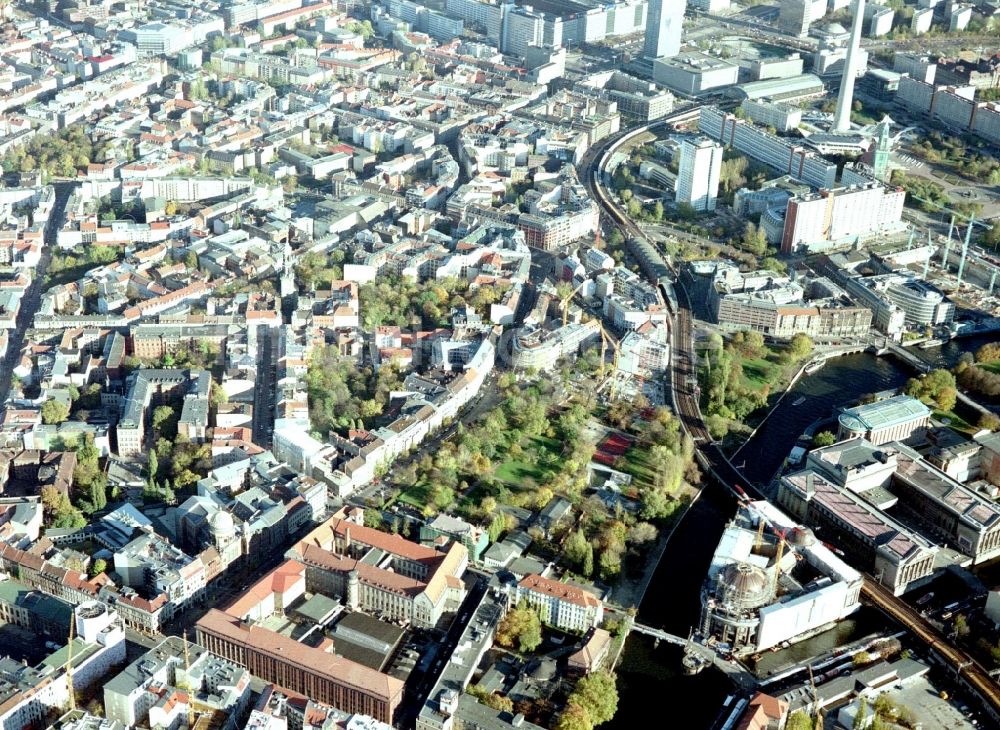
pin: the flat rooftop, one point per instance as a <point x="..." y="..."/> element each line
<point x="862" y="517"/>
<point x="976" y="511"/>
<point x="884" y="414"/>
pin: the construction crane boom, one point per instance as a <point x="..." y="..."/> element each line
<point x="69" y="663"/>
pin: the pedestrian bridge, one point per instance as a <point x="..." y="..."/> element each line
<point x="658" y="634"/>
<point x="703" y="654"/>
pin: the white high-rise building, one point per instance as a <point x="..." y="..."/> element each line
<point x="522" y="28"/>
<point x="664" y="22"/>
<point x="841" y="216"/>
<point x="698" y="173"/>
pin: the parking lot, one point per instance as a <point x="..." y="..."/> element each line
<point x="922" y="698"/>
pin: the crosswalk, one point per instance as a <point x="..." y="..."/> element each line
<point x="911" y="162"/>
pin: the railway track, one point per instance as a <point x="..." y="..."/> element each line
<point x="962" y="664"/>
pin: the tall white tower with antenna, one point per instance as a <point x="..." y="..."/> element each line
<point x="842" y="117"/>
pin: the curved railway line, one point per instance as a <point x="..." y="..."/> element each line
<point x="965" y="667"/>
<point x="711" y="458"/>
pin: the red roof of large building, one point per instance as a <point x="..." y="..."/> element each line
<point x="562" y="591"/>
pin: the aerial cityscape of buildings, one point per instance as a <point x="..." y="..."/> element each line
<point x="429" y="364"/>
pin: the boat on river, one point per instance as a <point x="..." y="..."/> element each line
<point x="814" y="367"/>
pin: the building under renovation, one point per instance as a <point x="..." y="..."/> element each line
<point x="772" y="582"/>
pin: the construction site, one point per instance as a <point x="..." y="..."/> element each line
<point x="967" y="273"/>
<point x="771" y="583"/>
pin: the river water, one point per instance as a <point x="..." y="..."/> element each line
<point x="654" y="692"/>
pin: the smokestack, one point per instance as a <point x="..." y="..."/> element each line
<point x="842" y="117"/>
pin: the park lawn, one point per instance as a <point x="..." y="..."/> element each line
<point x="956" y="423"/>
<point x="473" y="498"/>
<point x="69" y="274"/>
<point x="515" y="472"/>
<point x="759" y="372"/>
<point x="419" y="495"/>
<point x="637" y="464"/>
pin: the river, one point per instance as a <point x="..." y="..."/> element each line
<point x="653" y="689"/>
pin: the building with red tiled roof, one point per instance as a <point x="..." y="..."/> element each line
<point x="562" y="605"/>
<point x="416" y="585"/>
<point x="763" y="713"/>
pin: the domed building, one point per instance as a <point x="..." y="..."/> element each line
<point x="771" y="581"/>
<point x="729" y="609"/>
<point x="222" y="528"/>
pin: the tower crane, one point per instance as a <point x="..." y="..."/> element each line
<point x="606" y="338"/>
<point x="187" y="682"/>
<point x="564" y="302"/>
<point x="69" y="664"/>
<point x="779" y="553"/>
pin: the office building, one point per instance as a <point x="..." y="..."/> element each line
<point x="880" y="85"/>
<point x="559" y="604"/>
<point x="485" y="17"/>
<point x="781" y="67"/>
<point x="780" y="153"/>
<point x="571" y="22"/>
<point x="698" y="173"/>
<point x="920" y="304"/>
<point x="636" y="98"/>
<point x="916" y="66"/>
<point x="694" y="73"/>
<point x="795" y="16"/>
<point x="841" y="216"/>
<point x="559" y="211"/>
<point x="775" y="306"/>
<point x="153" y="39"/>
<point x="322" y="675"/>
<point x="154" y="566"/>
<point x="541" y="349"/>
<point x="783" y="117"/>
<point x="831" y="62"/>
<point x="524" y="27"/>
<point x="664" y="23"/>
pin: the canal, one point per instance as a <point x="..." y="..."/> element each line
<point x="653" y="689"/>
